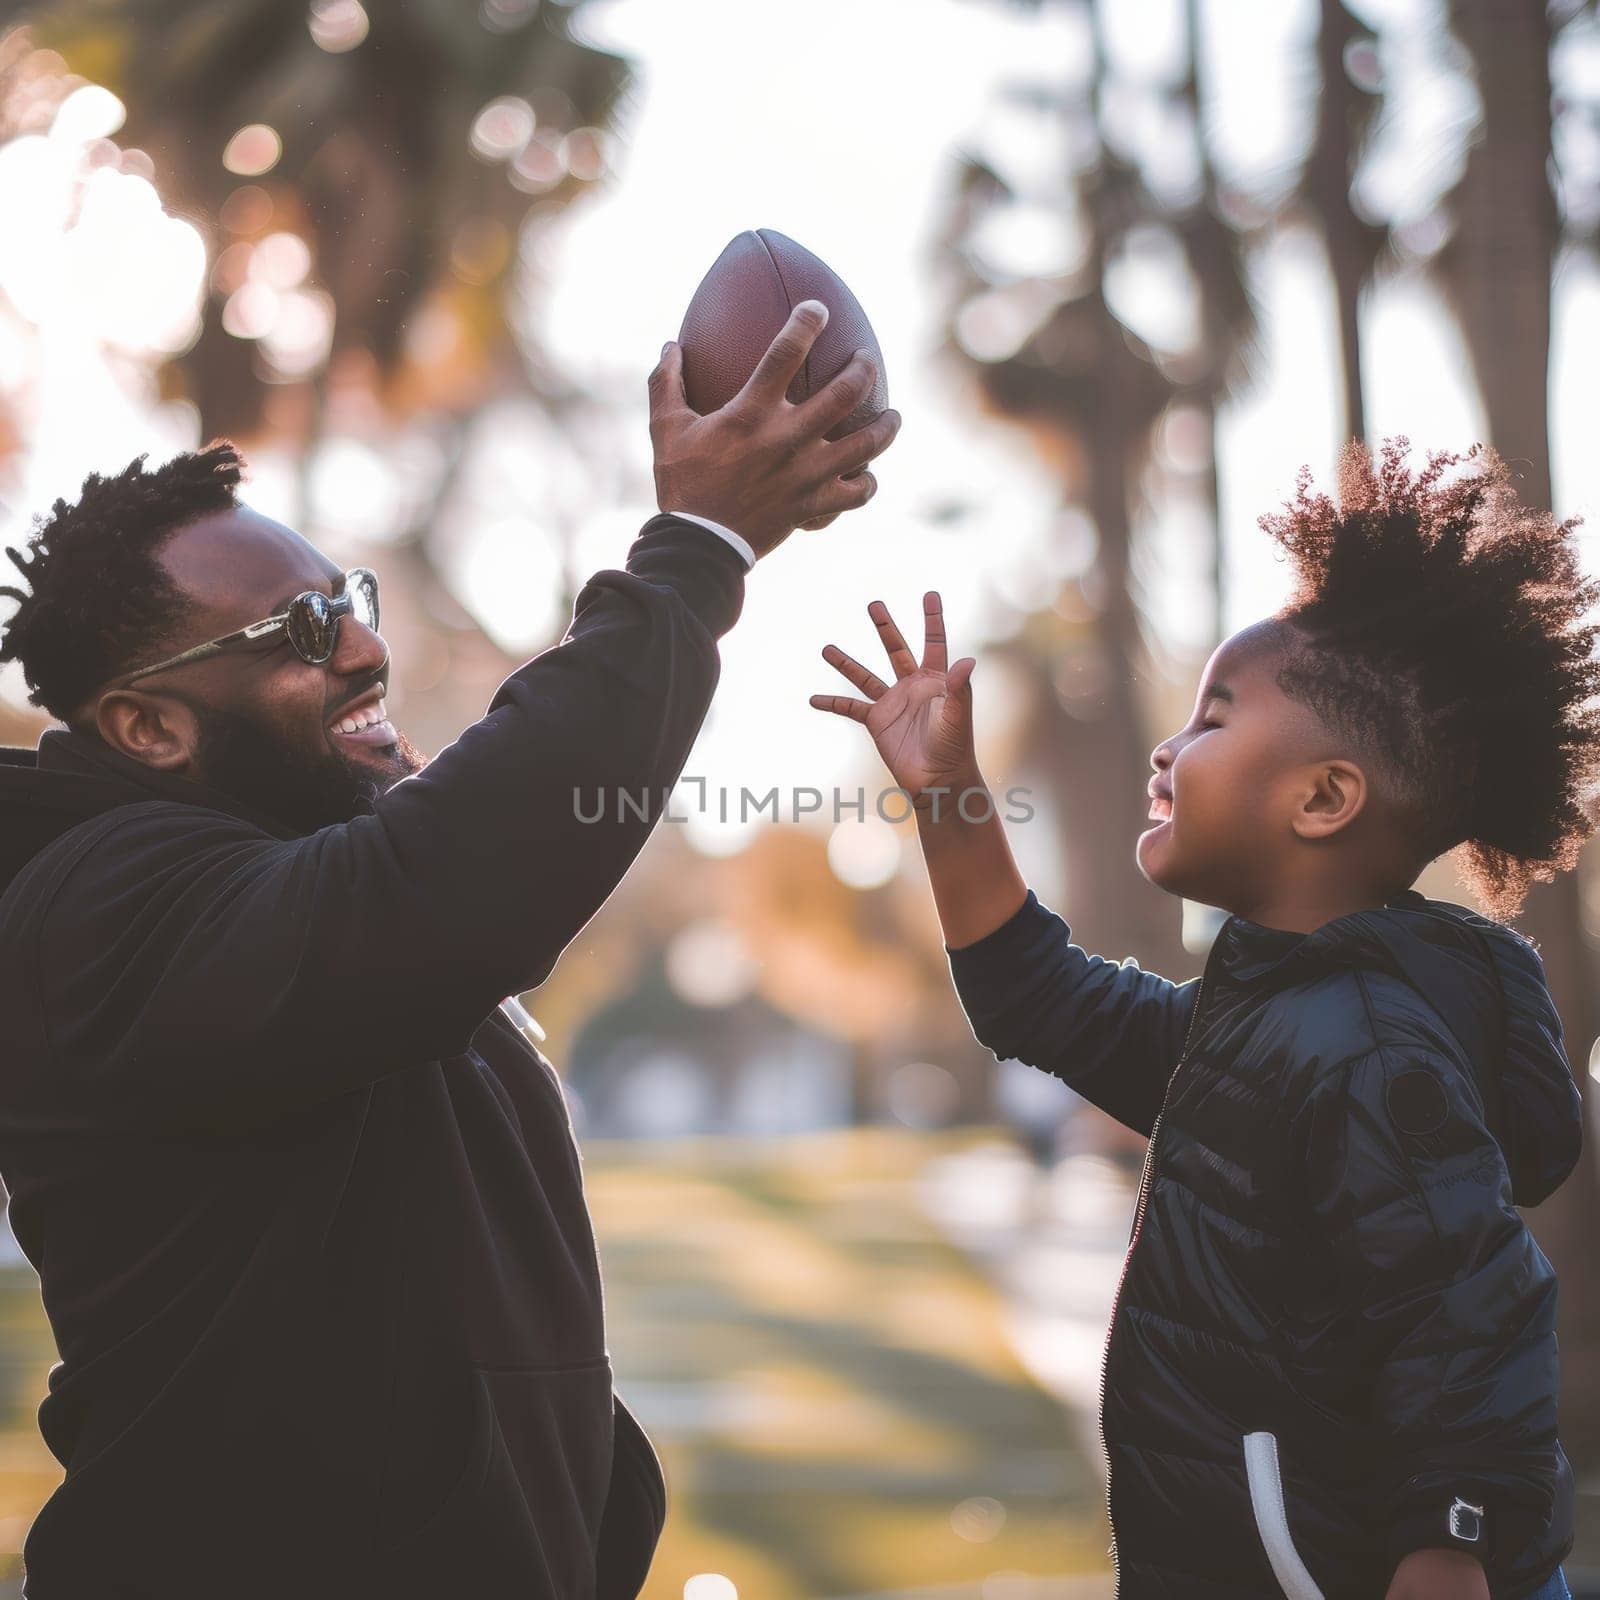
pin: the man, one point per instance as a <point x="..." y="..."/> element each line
<point x="304" y="1201"/>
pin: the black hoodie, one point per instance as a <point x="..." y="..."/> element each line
<point x="304" y="1200"/>
<point x="1334" y="1338"/>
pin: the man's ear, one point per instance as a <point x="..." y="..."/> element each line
<point x="156" y="729"/>
<point x="1335" y="795"/>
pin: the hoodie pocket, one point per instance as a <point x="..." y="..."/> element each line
<point x="467" y="1487"/>
<point x="530" y="1496"/>
<point x="557" y="1428"/>
<point x="1272" y="1522"/>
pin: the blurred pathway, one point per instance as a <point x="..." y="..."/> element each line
<point x="1052" y="1241"/>
<point x="833" y="1385"/>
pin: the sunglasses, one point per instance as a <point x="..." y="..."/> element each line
<point x="310" y="622"/>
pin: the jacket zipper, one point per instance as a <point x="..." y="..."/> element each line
<point x="1145" y="1177"/>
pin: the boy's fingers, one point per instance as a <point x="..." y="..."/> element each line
<point x="842" y="705"/>
<point x="900" y="656"/>
<point x="867" y="681"/>
<point x="933" y="641"/>
<point x="960" y="675"/>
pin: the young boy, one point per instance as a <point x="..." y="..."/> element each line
<point x="1331" y="1366"/>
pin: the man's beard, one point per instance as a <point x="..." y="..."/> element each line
<point x="250" y="761"/>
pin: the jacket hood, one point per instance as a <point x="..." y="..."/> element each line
<point x="1485" y="982"/>
<point x="72" y="777"/>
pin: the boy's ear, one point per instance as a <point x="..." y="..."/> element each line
<point x="1334" y="795"/>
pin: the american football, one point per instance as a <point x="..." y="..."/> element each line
<point x="744" y="300"/>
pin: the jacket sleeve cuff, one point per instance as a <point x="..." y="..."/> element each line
<point x="746" y="550"/>
<point x="707" y="573"/>
<point x="1460" y="1518"/>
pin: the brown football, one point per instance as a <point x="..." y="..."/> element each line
<point x="741" y="304"/>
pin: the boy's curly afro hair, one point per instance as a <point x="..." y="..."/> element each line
<point x="1437" y="624"/>
<point x="100" y="603"/>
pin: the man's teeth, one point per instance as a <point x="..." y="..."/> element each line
<point x="362" y="719"/>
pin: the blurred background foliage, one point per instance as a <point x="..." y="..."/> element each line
<point x="857" y="1275"/>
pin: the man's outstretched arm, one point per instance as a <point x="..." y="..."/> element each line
<point x="196" y="973"/>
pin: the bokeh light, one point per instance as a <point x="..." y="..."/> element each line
<point x="150" y="303"/>
<point x="505" y="16"/>
<point x="511" y="578"/>
<point x="301" y="335"/>
<point x="540" y="164"/>
<point x="247" y="210"/>
<point x="254" y="149"/>
<point x="338" y="25"/>
<point x="352" y="488"/>
<point x="91" y="112"/>
<point x="585" y="153"/>
<point x="922" y="1094"/>
<point x="502" y="128"/>
<point x="978" y="1519"/>
<point x="710" y="1586"/>
<point x="250" y="310"/>
<point x="281" y="260"/>
<point x="865" y="853"/>
<point x="710" y="964"/>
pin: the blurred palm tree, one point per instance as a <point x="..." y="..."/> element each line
<point x="408" y="150"/>
<point x="1353" y="242"/>
<point x="1092" y="392"/>
<point x="1496" y="270"/>
<point x="1214" y="250"/>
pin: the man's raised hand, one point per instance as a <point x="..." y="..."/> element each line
<point x="761" y="465"/>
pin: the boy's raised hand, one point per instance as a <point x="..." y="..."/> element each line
<point x="922" y="722"/>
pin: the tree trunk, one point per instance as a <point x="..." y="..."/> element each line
<point x="1095" y="755"/>
<point x="1216" y="334"/>
<point x="1499" y="271"/>
<point x="1346" y="236"/>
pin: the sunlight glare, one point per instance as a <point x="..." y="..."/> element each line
<point x="87" y="114"/>
<point x="709" y="1586"/>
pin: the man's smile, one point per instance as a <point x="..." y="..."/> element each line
<point x="365" y="721"/>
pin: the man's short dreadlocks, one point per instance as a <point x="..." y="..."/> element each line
<point x="100" y="603"/>
<point x="1436" y="624"/>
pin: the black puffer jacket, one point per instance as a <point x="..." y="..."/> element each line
<point x="1334" y="1339"/>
